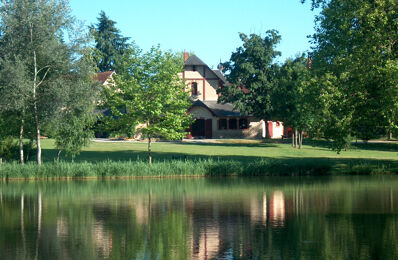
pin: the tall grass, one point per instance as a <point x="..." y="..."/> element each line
<point x="201" y="167"/>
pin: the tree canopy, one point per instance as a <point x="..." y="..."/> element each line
<point x="356" y="44"/>
<point x="110" y="45"/>
<point x="252" y="74"/>
<point x="38" y="61"/>
<point x="150" y="97"/>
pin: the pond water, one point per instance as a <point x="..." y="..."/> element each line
<point x="201" y="218"/>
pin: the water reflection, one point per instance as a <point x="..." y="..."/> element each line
<point x="200" y="219"/>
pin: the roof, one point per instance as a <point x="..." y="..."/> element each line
<point x="220" y="75"/>
<point x="103" y="76"/>
<point x="218" y="109"/>
<point x="194" y="60"/>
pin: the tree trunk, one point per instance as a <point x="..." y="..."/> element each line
<point x="36" y="112"/>
<point x="149" y="149"/>
<point x="301" y="140"/>
<point x="21" y="141"/>
<point x="37" y="133"/>
<point x="267" y="136"/>
<point x="390" y="135"/>
<point x="292" y="138"/>
<point x="295" y="138"/>
<point x="58" y="155"/>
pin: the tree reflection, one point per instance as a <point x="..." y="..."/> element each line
<point x="335" y="220"/>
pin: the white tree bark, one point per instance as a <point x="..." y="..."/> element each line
<point x="21" y="141"/>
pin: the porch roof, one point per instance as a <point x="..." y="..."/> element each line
<point x="219" y="110"/>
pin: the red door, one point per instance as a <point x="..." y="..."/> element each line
<point x="209" y="128"/>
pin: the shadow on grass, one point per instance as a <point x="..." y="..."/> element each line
<point x="386" y="147"/>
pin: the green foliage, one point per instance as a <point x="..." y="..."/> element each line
<point x="73" y="125"/>
<point x="355" y="45"/>
<point x="293" y="98"/>
<point x="9" y="149"/>
<point x="110" y="46"/>
<point x="151" y="96"/>
<point x="37" y="63"/>
<point x="252" y="67"/>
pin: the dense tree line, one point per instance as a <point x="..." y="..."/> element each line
<point x="347" y="87"/>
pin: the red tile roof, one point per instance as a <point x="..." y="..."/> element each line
<point x="103" y="76"/>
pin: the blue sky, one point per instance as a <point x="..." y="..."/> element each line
<point x="207" y="28"/>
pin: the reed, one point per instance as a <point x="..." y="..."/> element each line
<point x="200" y="167"/>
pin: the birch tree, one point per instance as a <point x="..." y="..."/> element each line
<point x="34" y="31"/>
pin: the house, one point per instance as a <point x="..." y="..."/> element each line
<point x="104" y="78"/>
<point x="215" y="120"/>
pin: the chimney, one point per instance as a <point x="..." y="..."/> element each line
<point x="186" y="56"/>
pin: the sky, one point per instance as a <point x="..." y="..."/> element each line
<point x="210" y="29"/>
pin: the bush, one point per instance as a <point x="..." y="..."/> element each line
<point x="9" y="149"/>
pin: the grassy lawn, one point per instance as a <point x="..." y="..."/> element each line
<point x="226" y="149"/>
<point x="218" y="158"/>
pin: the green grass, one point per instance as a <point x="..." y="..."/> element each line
<point x="226" y="149"/>
<point x="226" y="157"/>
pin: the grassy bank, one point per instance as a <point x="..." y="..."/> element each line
<point x="229" y="158"/>
<point x="209" y="167"/>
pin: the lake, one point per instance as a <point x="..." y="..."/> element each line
<point x="201" y="218"/>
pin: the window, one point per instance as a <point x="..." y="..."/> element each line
<point x="243" y="123"/>
<point x="194" y="89"/>
<point x="233" y="123"/>
<point x="193" y="68"/>
<point x="222" y="124"/>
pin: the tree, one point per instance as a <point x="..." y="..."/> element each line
<point x="110" y="46"/>
<point x="32" y="37"/>
<point x="251" y="67"/>
<point x="15" y="93"/>
<point x="150" y="97"/>
<point x="294" y="98"/>
<point x="356" y="43"/>
<point x="73" y="125"/>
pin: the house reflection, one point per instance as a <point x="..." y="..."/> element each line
<point x="103" y="240"/>
<point x="208" y="245"/>
<point x="258" y="210"/>
<point x="277" y="209"/>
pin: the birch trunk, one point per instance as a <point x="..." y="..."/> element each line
<point x="149" y="150"/>
<point x="36" y="112"/>
<point x="21" y="141"/>
<point x="36" y="84"/>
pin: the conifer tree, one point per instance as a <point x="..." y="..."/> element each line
<point x="110" y="45"/>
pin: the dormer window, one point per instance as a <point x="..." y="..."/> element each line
<point x="193" y="68"/>
<point x="194" y="89"/>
